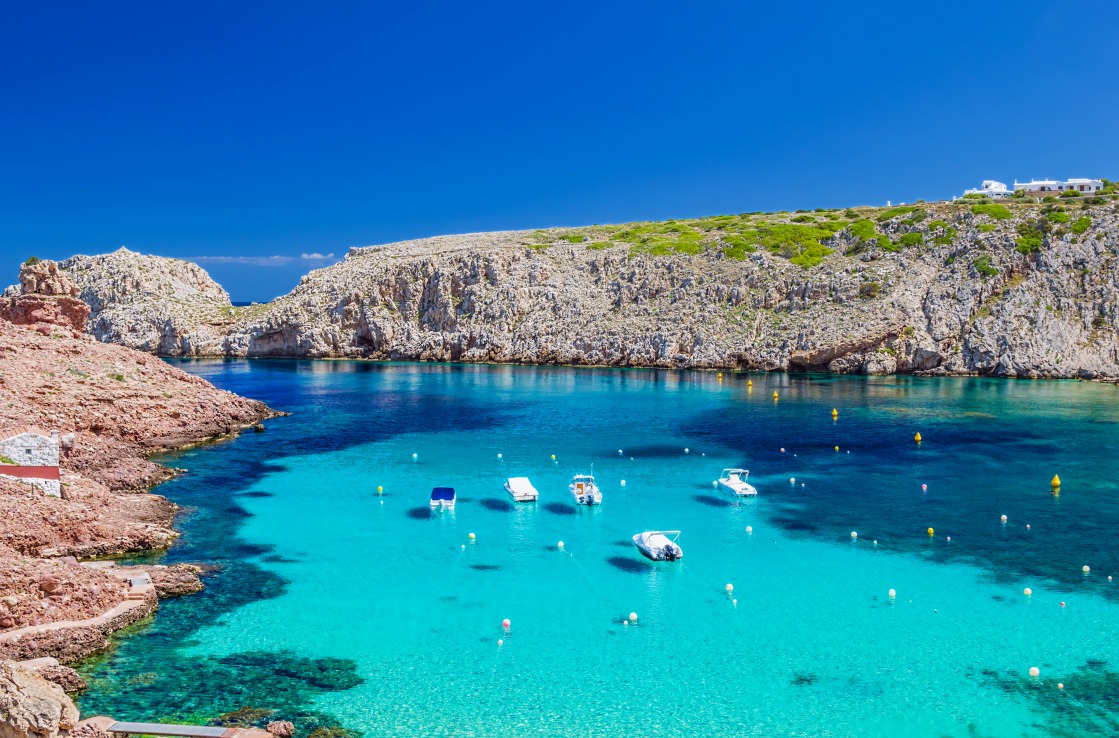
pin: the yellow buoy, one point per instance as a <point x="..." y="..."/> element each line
<point x="553" y="457"/>
<point x="749" y="383"/>
<point x="837" y="448"/>
<point x="917" y="437"/>
<point x="775" y="394"/>
<point x="1056" y="482"/>
<point x="834" y="413"/>
<point x="931" y="531"/>
<point x="380" y="489"/>
<point x="720" y="375"/>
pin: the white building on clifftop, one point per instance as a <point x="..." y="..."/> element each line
<point x="1044" y="187"/>
<point x="990" y="188"/>
<point x="31" y="455"/>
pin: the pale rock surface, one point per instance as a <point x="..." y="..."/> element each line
<point x="31" y="706"/>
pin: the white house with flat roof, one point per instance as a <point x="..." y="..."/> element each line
<point x="1057" y="186"/>
<point x="31" y="455"/>
<point x="990" y="188"/>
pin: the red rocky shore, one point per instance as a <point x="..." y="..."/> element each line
<point x="113" y="407"/>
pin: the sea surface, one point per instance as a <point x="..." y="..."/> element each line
<point x="334" y="605"/>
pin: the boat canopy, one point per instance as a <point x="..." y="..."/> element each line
<point x="443" y="493"/>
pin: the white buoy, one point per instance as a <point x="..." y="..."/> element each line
<point x="619" y="452"/>
<point x="500" y="642"/>
<point x="558" y="545"/>
<point x="749" y="529"/>
<point x="633" y="617"/>
<point x="1027" y="591"/>
<point x="782" y="450"/>
<point x="792" y="480"/>
<point x="714" y="482"/>
<point x="1109" y="577"/>
<point x="875" y="541"/>
<point x="948" y="538"/>
<point x="623" y="482"/>
<point x="687" y="450"/>
<point x="499" y="456"/>
<point x="1027" y="526"/>
<point x="1086" y="569"/>
<point x="625" y="622"/>
<point x="734" y="602"/>
<point x="730" y="588"/>
<point x="464" y="547"/>
<point x="1035" y="672"/>
<point x="854" y="534"/>
<point x="471" y="536"/>
<point x="1060" y="686"/>
<point x="1003" y="518"/>
<point x="415" y="456"/>
<point x="893" y="593"/>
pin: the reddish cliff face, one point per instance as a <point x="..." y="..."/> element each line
<point x="113" y="406"/>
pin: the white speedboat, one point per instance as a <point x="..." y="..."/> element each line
<point x="584" y="490"/>
<point x="658" y="546"/>
<point x="443" y="498"/>
<point x="734" y="481"/>
<point x="520" y="489"/>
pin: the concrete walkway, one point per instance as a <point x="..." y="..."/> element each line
<point x="139" y="587"/>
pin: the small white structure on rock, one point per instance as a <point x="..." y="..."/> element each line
<point x="1044" y="187"/>
<point x="31" y="455"/>
<point x="990" y="188"/>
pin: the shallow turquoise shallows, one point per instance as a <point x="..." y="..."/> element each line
<point x="339" y="606"/>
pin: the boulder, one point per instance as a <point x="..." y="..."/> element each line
<point x="31" y="706"/>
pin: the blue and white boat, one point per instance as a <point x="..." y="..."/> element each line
<point x="443" y="498"/>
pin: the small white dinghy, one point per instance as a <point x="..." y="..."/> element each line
<point x="656" y="545"/>
<point x="520" y="489"/>
<point x="734" y="481"/>
<point x="584" y="490"/>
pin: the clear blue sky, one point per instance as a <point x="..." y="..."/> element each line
<point x="254" y="133"/>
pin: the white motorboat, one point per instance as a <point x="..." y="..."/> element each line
<point x="520" y="489"/>
<point x="584" y="490"/>
<point x="658" y="545"/>
<point x="734" y="481"/>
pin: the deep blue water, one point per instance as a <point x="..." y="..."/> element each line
<point x="338" y="606"/>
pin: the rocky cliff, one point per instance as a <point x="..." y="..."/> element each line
<point x="153" y="304"/>
<point x="1009" y="289"/>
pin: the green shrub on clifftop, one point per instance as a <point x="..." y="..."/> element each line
<point x="993" y="210"/>
<point x="1082" y="224"/>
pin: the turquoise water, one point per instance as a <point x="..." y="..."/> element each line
<point x="339" y="606"/>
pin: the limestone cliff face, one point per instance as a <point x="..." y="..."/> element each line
<point x="945" y="289"/>
<point x="158" y="305"/>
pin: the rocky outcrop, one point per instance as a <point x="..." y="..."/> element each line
<point x="149" y="303"/>
<point x="31" y="706"/>
<point x="45" y="301"/>
<point x="940" y="288"/>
